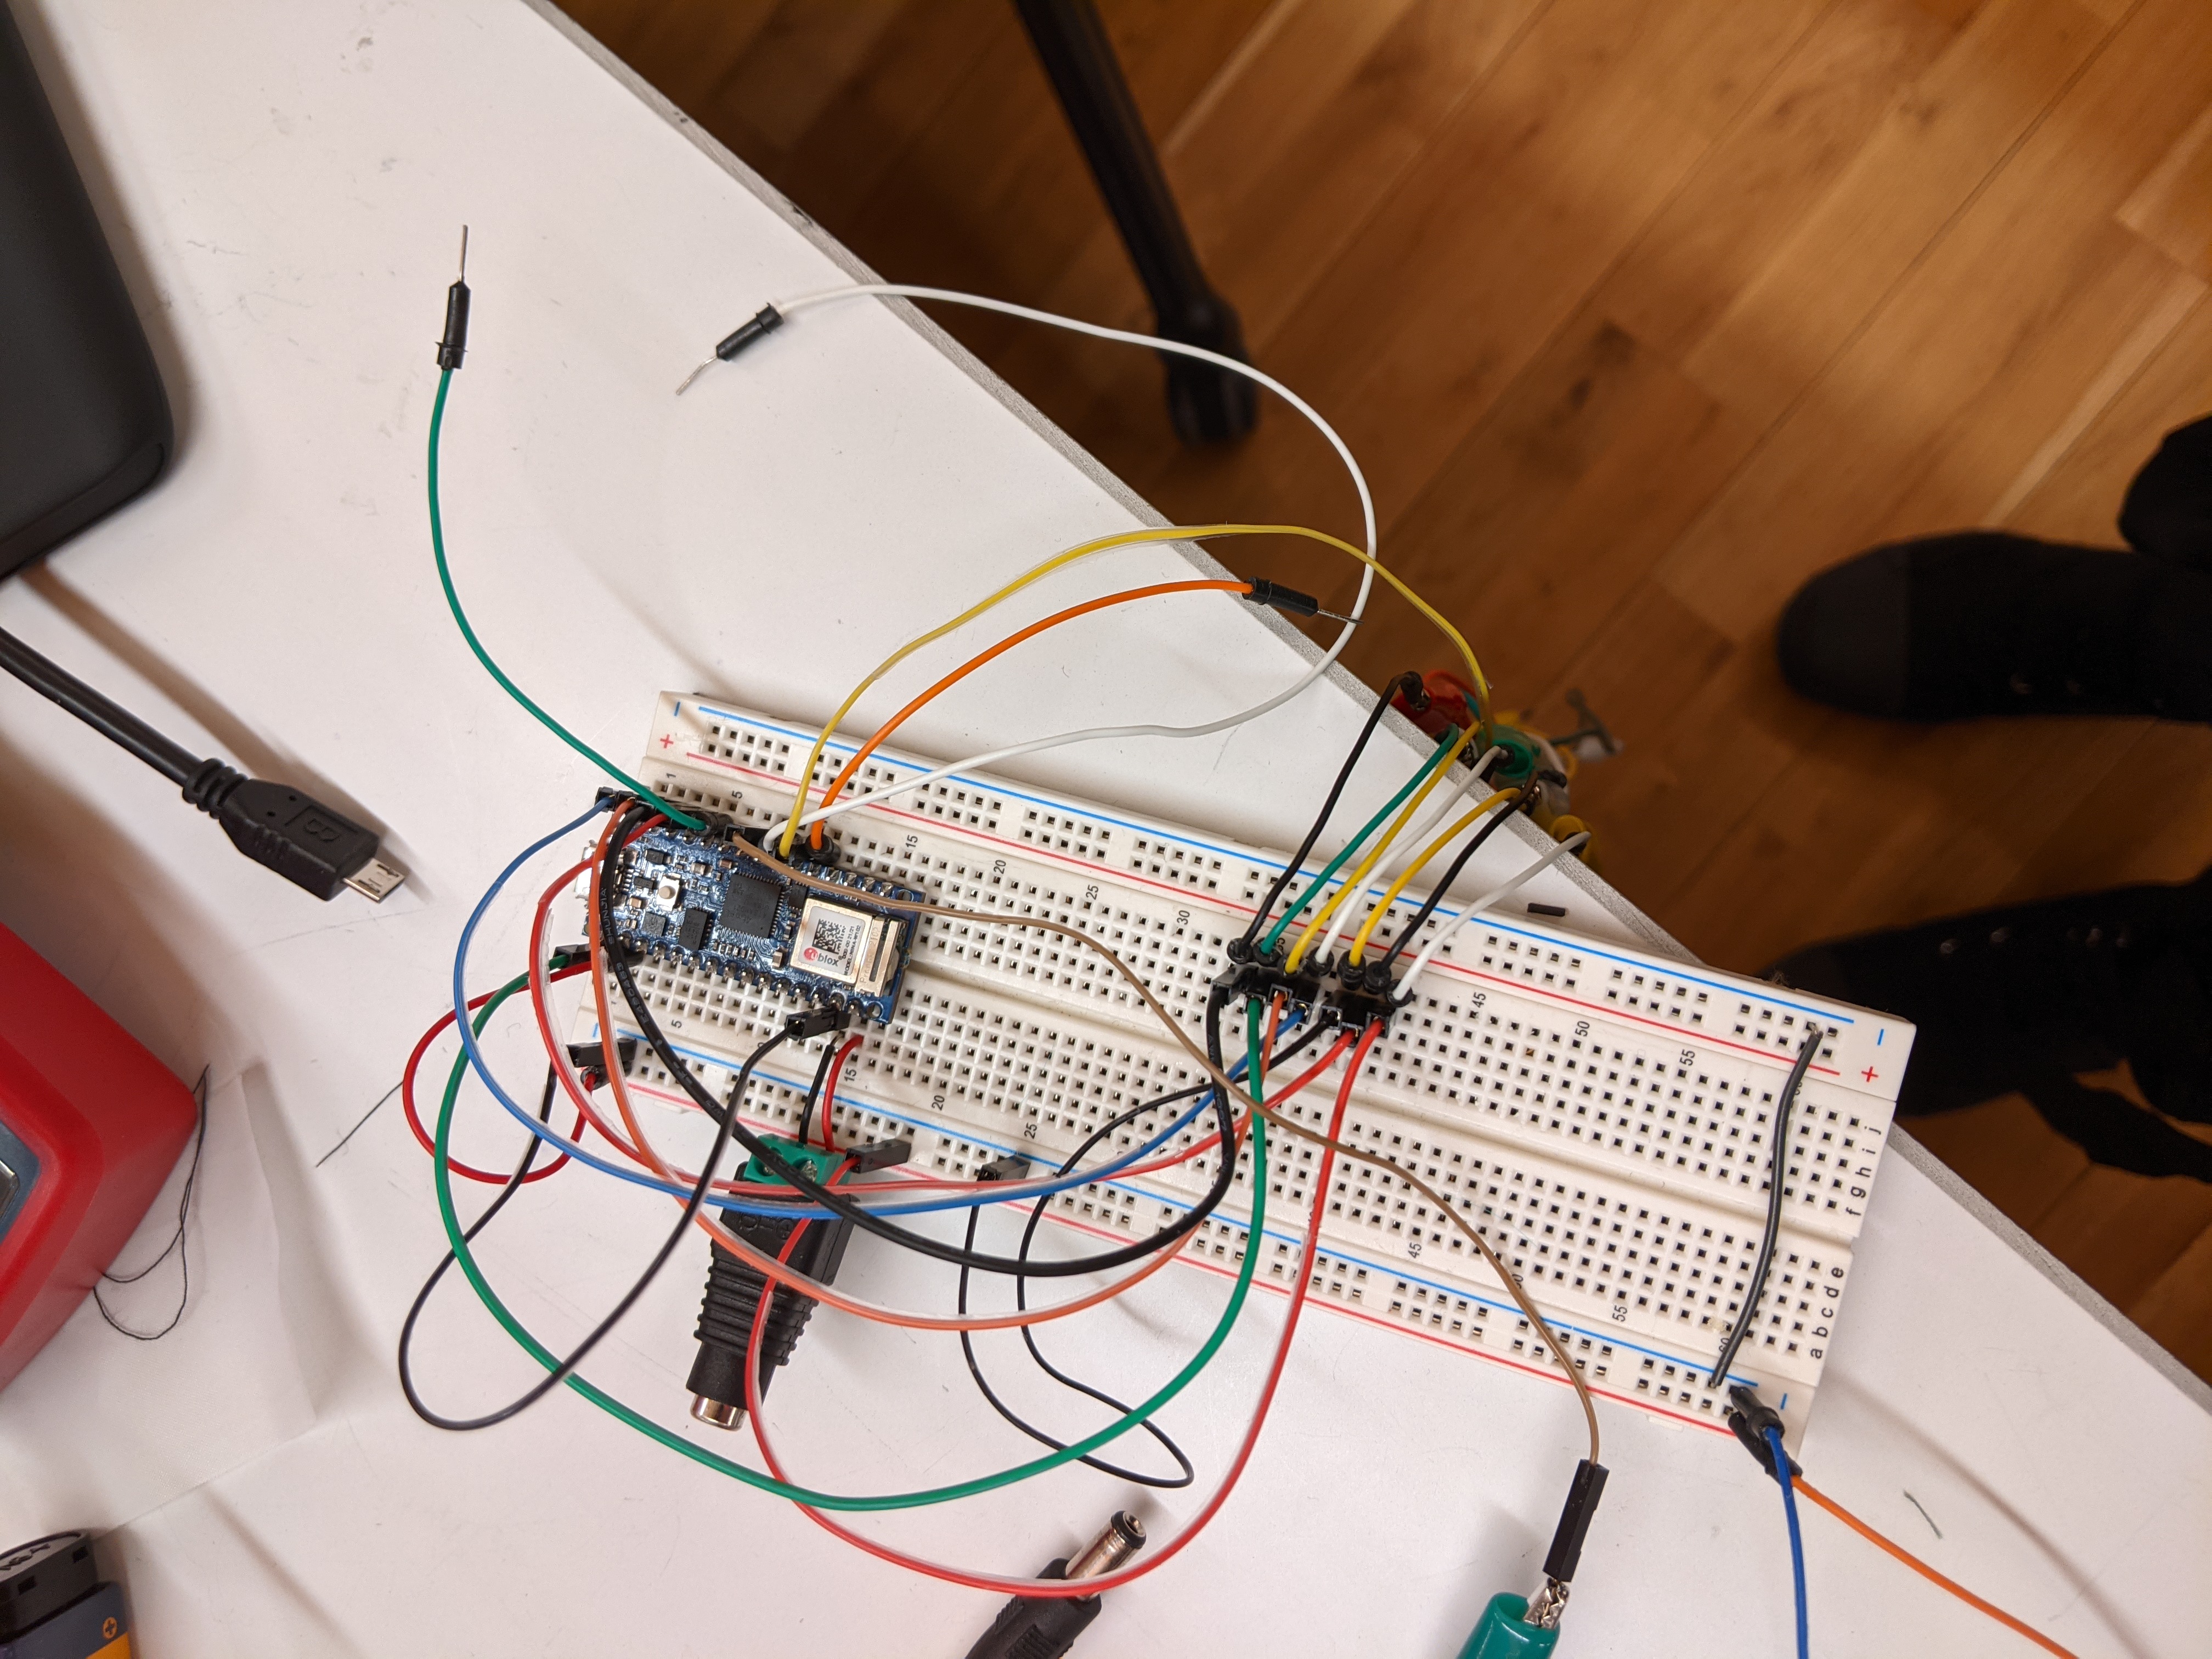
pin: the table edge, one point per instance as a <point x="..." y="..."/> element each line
<point x="2008" y="1232"/>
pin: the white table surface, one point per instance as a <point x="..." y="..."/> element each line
<point x="285" y="182"/>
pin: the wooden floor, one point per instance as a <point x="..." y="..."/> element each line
<point x="1638" y="313"/>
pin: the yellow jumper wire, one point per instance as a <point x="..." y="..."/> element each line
<point x="1352" y="883"/>
<point x="1105" y="543"/>
<point x="1358" y="950"/>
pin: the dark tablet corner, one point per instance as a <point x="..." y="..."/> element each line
<point x="84" y="424"/>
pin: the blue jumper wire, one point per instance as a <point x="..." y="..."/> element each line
<point x="553" y="1137"/>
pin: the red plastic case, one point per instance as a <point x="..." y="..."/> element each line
<point x="90" y="1126"/>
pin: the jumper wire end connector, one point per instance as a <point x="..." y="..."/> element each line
<point x="766" y="320"/>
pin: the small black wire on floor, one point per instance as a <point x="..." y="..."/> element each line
<point x="358" y="1127"/>
<point x="176" y="1239"/>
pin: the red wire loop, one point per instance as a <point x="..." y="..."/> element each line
<point x="415" y="1118"/>
<point x="828" y="1101"/>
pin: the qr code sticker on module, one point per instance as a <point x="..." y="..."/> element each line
<point x="831" y="939"/>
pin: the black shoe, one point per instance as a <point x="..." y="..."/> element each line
<point x="1985" y="623"/>
<point x="2019" y="999"/>
<point x="2168" y="511"/>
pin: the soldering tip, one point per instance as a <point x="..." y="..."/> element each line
<point x="464" y="253"/>
<point x="684" y="385"/>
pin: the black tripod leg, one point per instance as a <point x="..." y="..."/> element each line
<point x="1208" y="404"/>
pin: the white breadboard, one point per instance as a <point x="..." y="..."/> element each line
<point x="1600" y="1113"/>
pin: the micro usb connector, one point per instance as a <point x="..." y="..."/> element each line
<point x="272" y="824"/>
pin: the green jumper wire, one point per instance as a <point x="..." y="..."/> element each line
<point x="442" y="1178"/>
<point x="1446" y="747"/>
<point x="453" y="602"/>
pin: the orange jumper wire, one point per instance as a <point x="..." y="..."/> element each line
<point x="1927" y="1571"/>
<point x="1007" y="644"/>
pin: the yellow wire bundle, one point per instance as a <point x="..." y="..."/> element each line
<point x="1105" y="543"/>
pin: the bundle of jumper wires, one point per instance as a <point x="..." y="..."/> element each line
<point x="1245" y="1100"/>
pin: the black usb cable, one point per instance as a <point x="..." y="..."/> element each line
<point x="272" y="824"/>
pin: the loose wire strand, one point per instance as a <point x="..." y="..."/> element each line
<point x="1806" y="1489"/>
<point x="415" y="1118"/>
<point x="178" y="1245"/>
<point x="882" y="733"/>
<point x="1447" y="746"/>
<point x="1358" y="950"/>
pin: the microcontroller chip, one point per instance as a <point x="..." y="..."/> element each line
<point x="843" y="944"/>
<point x="749" y="906"/>
<point x="819" y="935"/>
